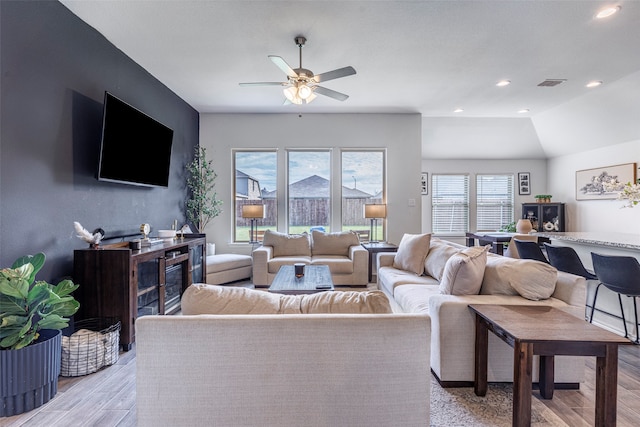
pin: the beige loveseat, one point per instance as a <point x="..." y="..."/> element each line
<point x="451" y="269"/>
<point x="348" y="261"/>
<point x="339" y="369"/>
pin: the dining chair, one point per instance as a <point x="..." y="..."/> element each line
<point x="566" y="259"/>
<point x="511" y="251"/>
<point x="620" y="274"/>
<point x="530" y="250"/>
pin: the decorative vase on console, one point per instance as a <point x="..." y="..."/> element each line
<point x="523" y="226"/>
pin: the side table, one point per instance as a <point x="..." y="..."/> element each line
<point x="373" y="249"/>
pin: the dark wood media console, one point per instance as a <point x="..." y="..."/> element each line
<point x="117" y="282"/>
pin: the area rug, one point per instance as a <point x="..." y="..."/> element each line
<point x="461" y="407"/>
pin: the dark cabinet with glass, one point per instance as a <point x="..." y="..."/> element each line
<point x="117" y="282"/>
<point x="547" y="217"/>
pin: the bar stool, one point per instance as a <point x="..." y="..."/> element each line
<point x="620" y="274"/>
<point x="566" y="259"/>
<point x="530" y="250"/>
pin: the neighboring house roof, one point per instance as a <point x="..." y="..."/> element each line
<point x="316" y="187"/>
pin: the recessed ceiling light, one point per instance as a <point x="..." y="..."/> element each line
<point x="458" y="110"/>
<point x="502" y="83"/>
<point x="594" y="83"/>
<point x="607" y="11"/>
<point x="524" y="110"/>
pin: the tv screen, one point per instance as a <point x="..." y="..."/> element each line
<point x="135" y="148"/>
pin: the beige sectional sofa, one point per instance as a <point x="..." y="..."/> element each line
<point x="348" y="261"/>
<point x="450" y="268"/>
<point x="296" y="360"/>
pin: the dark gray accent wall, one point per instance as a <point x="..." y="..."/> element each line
<point x="54" y="71"/>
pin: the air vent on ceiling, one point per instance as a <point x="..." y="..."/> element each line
<point x="552" y="82"/>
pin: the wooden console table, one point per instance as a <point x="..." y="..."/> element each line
<point x="546" y="331"/>
<point x="121" y="283"/>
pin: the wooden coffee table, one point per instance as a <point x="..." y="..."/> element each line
<point x="317" y="278"/>
<point x="546" y="331"/>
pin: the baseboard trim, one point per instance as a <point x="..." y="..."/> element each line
<point x="535" y="386"/>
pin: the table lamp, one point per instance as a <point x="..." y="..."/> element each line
<point x="253" y="212"/>
<point x="375" y="211"/>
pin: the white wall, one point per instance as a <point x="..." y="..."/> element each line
<point x="537" y="169"/>
<point x="399" y="134"/>
<point x="594" y="215"/>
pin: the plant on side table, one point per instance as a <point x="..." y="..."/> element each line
<point x="32" y="314"/>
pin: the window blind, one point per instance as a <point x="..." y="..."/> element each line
<point x="450" y="204"/>
<point x="494" y="201"/>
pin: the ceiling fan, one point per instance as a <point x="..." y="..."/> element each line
<point x="302" y="85"/>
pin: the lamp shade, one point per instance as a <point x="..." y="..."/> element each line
<point x="253" y="211"/>
<point x="375" y="211"/>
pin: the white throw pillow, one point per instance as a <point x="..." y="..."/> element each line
<point x="412" y="251"/>
<point x="528" y="278"/>
<point x="464" y="271"/>
<point x="439" y="253"/>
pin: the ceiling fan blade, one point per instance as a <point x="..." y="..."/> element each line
<point x="330" y="93"/>
<point x="263" y="84"/>
<point x="282" y="64"/>
<point x="335" y="74"/>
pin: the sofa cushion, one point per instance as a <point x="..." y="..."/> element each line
<point x="464" y="271"/>
<point x="415" y="298"/>
<point x="412" y="251"/>
<point x="528" y="278"/>
<point x="223" y="262"/>
<point x="333" y="243"/>
<point x="346" y="302"/>
<point x="201" y="298"/>
<point x="439" y="253"/>
<point x="287" y="244"/>
<point x="337" y="264"/>
<point x="274" y="264"/>
<point x="389" y="279"/>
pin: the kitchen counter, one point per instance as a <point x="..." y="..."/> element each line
<point x="615" y="240"/>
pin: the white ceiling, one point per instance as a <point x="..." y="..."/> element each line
<point x="426" y="57"/>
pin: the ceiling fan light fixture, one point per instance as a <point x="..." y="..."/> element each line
<point x="607" y="11"/>
<point x="291" y="93"/>
<point x="305" y="91"/>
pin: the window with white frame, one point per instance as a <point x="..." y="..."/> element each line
<point x="255" y="184"/>
<point x="309" y="190"/>
<point x="494" y="201"/>
<point x="450" y="204"/>
<point x="363" y="173"/>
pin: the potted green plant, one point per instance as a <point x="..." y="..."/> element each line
<point x="203" y="204"/>
<point x="32" y="314"/>
<point x="543" y="198"/>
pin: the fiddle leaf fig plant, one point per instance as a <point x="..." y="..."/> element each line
<point x="203" y="204"/>
<point x="28" y="306"/>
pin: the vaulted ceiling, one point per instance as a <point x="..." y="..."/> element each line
<point x="426" y="57"/>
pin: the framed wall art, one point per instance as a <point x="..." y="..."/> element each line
<point x="424" y="183"/>
<point x="605" y="182"/>
<point x="524" y="183"/>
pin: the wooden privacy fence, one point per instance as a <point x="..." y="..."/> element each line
<point x="306" y="211"/>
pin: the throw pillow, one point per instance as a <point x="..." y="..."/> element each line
<point x="528" y="278"/>
<point x="333" y="243"/>
<point x="464" y="271"/>
<point x="287" y="244"/>
<point x="439" y="254"/>
<point x="412" y="251"/>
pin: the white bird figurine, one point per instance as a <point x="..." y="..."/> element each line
<point x="84" y="234"/>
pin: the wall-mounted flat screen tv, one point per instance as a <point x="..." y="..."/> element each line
<point x="135" y="148"/>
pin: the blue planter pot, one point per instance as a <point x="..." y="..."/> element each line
<point x="29" y="376"/>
